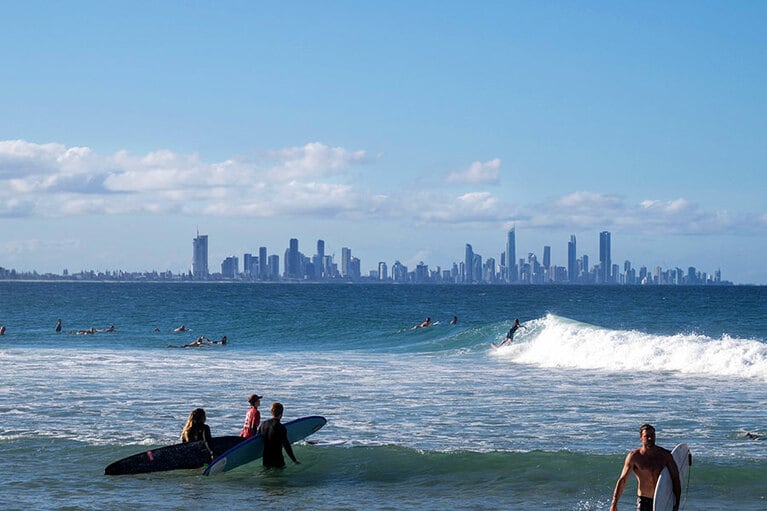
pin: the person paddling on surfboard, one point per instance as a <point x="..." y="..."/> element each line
<point x="426" y="322"/>
<point x="647" y="463"/>
<point x="510" y="336"/>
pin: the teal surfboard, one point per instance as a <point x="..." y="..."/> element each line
<point x="253" y="448"/>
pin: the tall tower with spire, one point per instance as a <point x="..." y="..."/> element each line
<point x="200" y="256"/>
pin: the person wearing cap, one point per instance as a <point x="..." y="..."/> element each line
<point x="252" y="418"/>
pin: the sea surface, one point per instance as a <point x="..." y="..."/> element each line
<point x="426" y="419"/>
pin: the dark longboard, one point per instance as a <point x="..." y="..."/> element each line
<point x="172" y="457"/>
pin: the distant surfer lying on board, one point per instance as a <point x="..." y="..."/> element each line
<point x="426" y="322"/>
<point x="647" y="463"/>
<point x="510" y="336"/>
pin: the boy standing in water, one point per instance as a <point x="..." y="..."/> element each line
<point x="275" y="439"/>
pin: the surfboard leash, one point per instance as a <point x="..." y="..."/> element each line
<point x="689" y="473"/>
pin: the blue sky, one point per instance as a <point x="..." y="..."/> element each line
<point x="402" y="130"/>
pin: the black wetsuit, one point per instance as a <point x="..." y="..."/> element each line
<point x="201" y="432"/>
<point x="275" y="438"/>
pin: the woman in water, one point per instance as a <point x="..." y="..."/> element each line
<point x="195" y="430"/>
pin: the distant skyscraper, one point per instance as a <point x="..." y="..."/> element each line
<point x="605" y="263"/>
<point x="355" y="269"/>
<point x="586" y="270"/>
<point x="346" y="261"/>
<point x="383" y="273"/>
<point x="572" y="264"/>
<point x="249" y="267"/>
<point x="469" y="265"/>
<point x="399" y="272"/>
<point x="319" y="261"/>
<point x="263" y="264"/>
<point x="230" y="267"/>
<point x="511" y="257"/>
<point x="321" y="248"/>
<point x="546" y="256"/>
<point x="293" y="260"/>
<point x="476" y="271"/>
<point x="421" y="273"/>
<point x="200" y="257"/>
<point x="274" y="267"/>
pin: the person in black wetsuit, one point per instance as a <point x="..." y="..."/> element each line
<point x="510" y="336"/>
<point x="195" y="430"/>
<point x="275" y="439"/>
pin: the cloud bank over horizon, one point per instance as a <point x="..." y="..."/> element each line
<point x="316" y="180"/>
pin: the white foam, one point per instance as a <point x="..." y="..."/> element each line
<point x="559" y="342"/>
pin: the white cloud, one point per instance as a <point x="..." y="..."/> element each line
<point x="13" y="207"/>
<point x="592" y="210"/>
<point x="310" y="182"/>
<point x="468" y="208"/>
<point x="51" y="179"/>
<point x="584" y="201"/>
<point x="478" y="173"/>
<point x="312" y="160"/>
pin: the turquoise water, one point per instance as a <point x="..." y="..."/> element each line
<point x="418" y="419"/>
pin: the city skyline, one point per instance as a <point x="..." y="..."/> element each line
<point x="402" y="130"/>
<point x="475" y="268"/>
<point x="507" y="269"/>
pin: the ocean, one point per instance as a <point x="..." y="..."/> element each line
<point x="430" y="419"/>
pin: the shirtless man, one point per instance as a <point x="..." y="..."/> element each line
<point x="647" y="462"/>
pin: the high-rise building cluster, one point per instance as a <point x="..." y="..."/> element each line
<point x="471" y="270"/>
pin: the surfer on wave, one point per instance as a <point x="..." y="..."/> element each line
<point x="510" y="336"/>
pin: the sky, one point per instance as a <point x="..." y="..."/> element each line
<point x="401" y="130"/>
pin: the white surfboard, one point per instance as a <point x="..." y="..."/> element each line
<point x="663" y="500"/>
